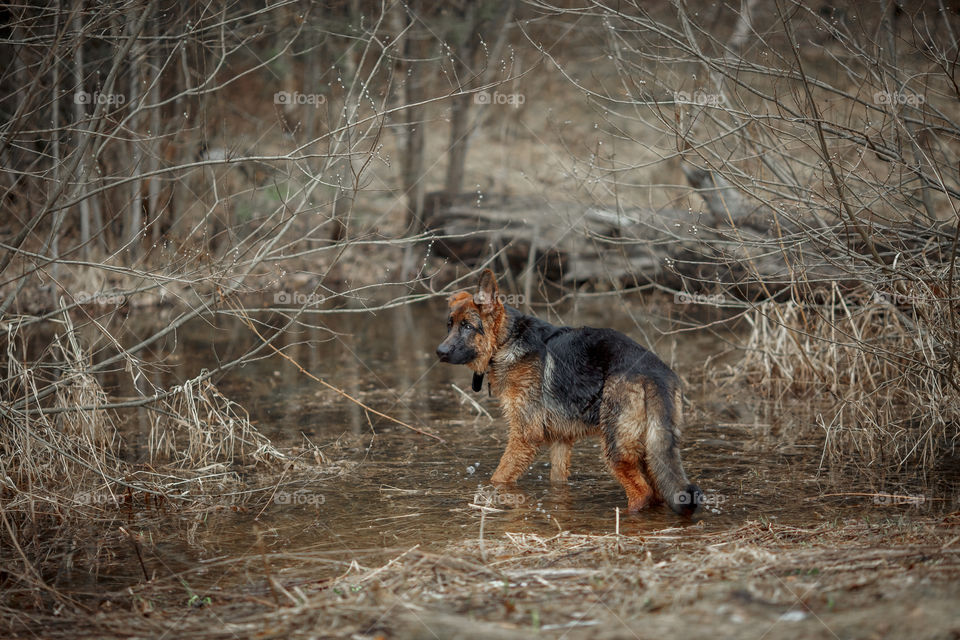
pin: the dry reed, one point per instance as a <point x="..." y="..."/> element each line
<point x="877" y="368"/>
<point x="65" y="478"/>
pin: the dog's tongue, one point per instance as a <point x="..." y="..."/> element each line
<point x="478" y="382"/>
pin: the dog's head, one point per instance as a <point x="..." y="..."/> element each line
<point x="473" y="325"/>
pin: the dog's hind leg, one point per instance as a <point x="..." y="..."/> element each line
<point x="639" y="491"/>
<point x="623" y="426"/>
<point x="560" y="461"/>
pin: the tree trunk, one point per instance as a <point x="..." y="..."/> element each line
<point x="413" y="173"/>
<point x="55" y="135"/>
<point x="459" y="140"/>
<point x="186" y="108"/>
<point x="79" y="111"/>
<point x="461" y="127"/>
<point x="343" y="197"/>
<point x="134" y="222"/>
<point x="463" y="62"/>
<point x="916" y="134"/>
<point x="153" y="159"/>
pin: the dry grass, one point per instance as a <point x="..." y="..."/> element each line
<point x="200" y="426"/>
<point x="879" y="368"/>
<point x="800" y="579"/>
<point x="63" y="470"/>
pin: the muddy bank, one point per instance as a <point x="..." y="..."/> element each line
<point x="894" y="577"/>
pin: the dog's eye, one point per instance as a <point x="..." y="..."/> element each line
<point x="449" y="323"/>
<point x="466" y="326"/>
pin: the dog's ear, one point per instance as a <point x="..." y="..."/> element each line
<point x="487" y="296"/>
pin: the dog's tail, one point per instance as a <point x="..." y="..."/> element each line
<point x="663" y="457"/>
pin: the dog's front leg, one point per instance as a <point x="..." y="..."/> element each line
<point x="516" y="459"/>
<point x="526" y="434"/>
<point x="560" y="461"/>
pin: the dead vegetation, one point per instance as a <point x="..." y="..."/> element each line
<point x="65" y="473"/>
<point x="814" y="581"/>
<point x="199" y="427"/>
<point x="875" y="368"/>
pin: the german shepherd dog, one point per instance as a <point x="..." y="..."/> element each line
<point x="558" y="384"/>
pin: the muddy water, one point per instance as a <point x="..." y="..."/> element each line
<point x="389" y="489"/>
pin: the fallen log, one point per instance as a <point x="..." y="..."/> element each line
<point x="734" y="247"/>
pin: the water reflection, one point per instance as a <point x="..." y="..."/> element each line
<point x="390" y="488"/>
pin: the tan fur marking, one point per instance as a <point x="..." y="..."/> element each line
<point x="520" y="382"/>
<point x="458" y="298"/>
<point x="640" y="403"/>
<point x="639" y="491"/>
<point x="516" y="459"/>
<point x="560" y="461"/>
<point x="631" y="424"/>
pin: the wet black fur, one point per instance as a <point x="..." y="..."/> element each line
<point x="585" y="359"/>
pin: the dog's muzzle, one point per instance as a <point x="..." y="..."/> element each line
<point x="455" y="353"/>
<point x="443" y="352"/>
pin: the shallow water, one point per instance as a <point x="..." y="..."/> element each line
<point x="394" y="488"/>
